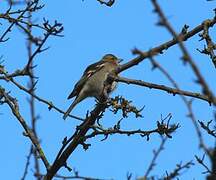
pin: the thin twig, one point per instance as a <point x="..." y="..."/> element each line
<point x="170" y="90"/>
<point x="32" y="83"/>
<point x="107" y="3"/>
<point x="186" y="56"/>
<point x="162" y="47"/>
<point x="28" y="132"/>
<point x="48" y="103"/>
<point x="27" y="163"/>
<point x="156" y="154"/>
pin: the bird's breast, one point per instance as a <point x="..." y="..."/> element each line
<point x="95" y="83"/>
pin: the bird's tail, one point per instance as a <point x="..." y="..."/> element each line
<point x="69" y="109"/>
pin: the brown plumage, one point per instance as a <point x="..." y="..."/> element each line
<point x="92" y="81"/>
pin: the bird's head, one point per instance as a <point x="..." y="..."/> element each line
<point x="111" y="58"/>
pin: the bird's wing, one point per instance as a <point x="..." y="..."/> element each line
<point x="93" y="68"/>
<point x="90" y="70"/>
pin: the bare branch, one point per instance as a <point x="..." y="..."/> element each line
<point x="77" y="139"/>
<point x="163" y="128"/>
<point x="186" y="56"/>
<point x="159" y="49"/>
<point x="27" y="163"/>
<point x="206" y="127"/>
<point x="107" y="3"/>
<point x="211" y="46"/>
<point x="28" y="132"/>
<point x="156" y="153"/>
<point x="176" y="172"/>
<point x="48" y="103"/>
<point x="169" y="90"/>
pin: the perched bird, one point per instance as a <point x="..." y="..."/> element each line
<point x="92" y="82"/>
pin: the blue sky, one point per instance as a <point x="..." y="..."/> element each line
<point x="90" y="31"/>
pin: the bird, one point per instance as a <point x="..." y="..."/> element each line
<point x="93" y="81"/>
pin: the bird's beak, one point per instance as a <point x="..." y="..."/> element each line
<point x="120" y="60"/>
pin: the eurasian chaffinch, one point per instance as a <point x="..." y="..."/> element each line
<point x="92" y="82"/>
